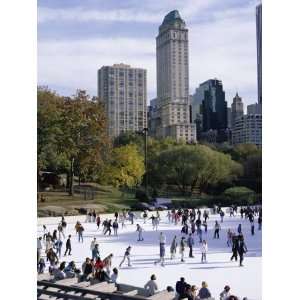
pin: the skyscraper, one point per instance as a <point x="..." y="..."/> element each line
<point x="172" y="67"/>
<point x="214" y="106"/>
<point x="259" y="50"/>
<point x="237" y="109"/>
<point x="123" y="90"/>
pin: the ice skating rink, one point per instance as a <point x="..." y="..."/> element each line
<point x="217" y="272"/>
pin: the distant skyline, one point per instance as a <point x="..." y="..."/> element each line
<point x="78" y="37"/>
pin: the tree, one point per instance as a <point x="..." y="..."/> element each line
<point x="194" y="166"/>
<point x="242" y="151"/>
<point x="125" y="167"/>
<point x="71" y="134"/>
<point x="240" y="195"/>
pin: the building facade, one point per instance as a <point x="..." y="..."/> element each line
<point x="253" y="109"/>
<point x="209" y="99"/>
<point x="172" y="67"/>
<point x="237" y="109"/>
<point x="259" y="50"/>
<point x="248" y="130"/>
<point x="123" y="90"/>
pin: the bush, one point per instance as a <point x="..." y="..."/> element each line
<point x="240" y="195"/>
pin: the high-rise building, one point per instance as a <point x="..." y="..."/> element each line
<point x="229" y="117"/>
<point x="259" y="50"/>
<point x="172" y="67"/>
<point x="237" y="108"/>
<point x="211" y="97"/>
<point x="123" y="90"/>
<point x="248" y="130"/>
<point x="254" y="109"/>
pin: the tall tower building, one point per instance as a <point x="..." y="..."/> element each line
<point x="172" y="67"/>
<point x="123" y="90"/>
<point x="259" y="50"/>
<point x="237" y="109"/>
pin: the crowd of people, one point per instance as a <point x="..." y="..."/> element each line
<point x="194" y="231"/>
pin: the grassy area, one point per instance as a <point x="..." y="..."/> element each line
<point x="104" y="199"/>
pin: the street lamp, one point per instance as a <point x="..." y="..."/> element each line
<point x="144" y="132"/>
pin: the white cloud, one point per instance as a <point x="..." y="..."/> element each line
<point x="224" y="48"/>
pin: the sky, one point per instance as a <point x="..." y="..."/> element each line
<point x="78" y="37"/>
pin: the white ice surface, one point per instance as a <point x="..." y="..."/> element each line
<point x="217" y="272"/>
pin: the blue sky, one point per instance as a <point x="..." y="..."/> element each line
<point x="77" y="37"/>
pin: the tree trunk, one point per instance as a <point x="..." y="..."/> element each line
<point x="71" y="189"/>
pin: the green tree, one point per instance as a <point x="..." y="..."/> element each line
<point x="71" y="132"/>
<point x="125" y="167"/>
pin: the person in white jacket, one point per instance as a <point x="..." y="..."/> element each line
<point x="93" y="244"/>
<point x="162" y="249"/>
<point x="204" y="249"/>
<point x="151" y="286"/>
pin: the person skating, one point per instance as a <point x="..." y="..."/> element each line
<point x="39" y="248"/>
<point x="169" y="215"/>
<point x="58" y="245"/>
<point x="239" y="229"/>
<point x="162" y="249"/>
<point x="199" y="233"/>
<point x="126" y="256"/>
<point x="259" y="221"/>
<point x="252" y="228"/>
<point x="173" y="247"/>
<point x="204" y="249"/>
<point x="182" y="248"/>
<point x="242" y="249"/>
<point x="108" y="226"/>
<point x="151" y="286"/>
<point x="60" y="232"/>
<point x="217" y="230"/>
<point x="115" y="226"/>
<point x="93" y="244"/>
<point x="139" y="229"/>
<point x="229" y="237"/>
<point x="68" y="246"/>
<point x="225" y="293"/>
<point x="98" y="221"/>
<point x="95" y="252"/>
<point x="222" y="214"/>
<point x="204" y="224"/>
<point x="145" y="216"/>
<point x="205" y="216"/>
<point x="190" y="242"/>
<point x="235" y="245"/>
<point x="80" y="233"/>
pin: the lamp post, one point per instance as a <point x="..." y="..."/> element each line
<point x="144" y="132"/>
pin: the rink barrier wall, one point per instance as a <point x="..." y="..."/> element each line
<point x="103" y="290"/>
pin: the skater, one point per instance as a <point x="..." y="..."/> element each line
<point x="205" y="216"/>
<point x="93" y="244"/>
<point x="185" y="229"/>
<point x="98" y="221"/>
<point x="139" y="229"/>
<point x="169" y="215"/>
<point x="225" y="293"/>
<point x="108" y="226"/>
<point x="162" y="249"/>
<point x="199" y="233"/>
<point x="259" y="221"/>
<point x="229" y="237"/>
<point x="252" y="228"/>
<point x="182" y="248"/>
<point x="60" y="232"/>
<point x="205" y="226"/>
<point x="204" y="249"/>
<point x="145" y="216"/>
<point x="217" y="230"/>
<point x="116" y="215"/>
<point x="94" y="216"/>
<point x="68" y="246"/>
<point x="235" y="245"/>
<point x="222" y="214"/>
<point x="80" y="231"/>
<point x="242" y="249"/>
<point x="173" y="247"/>
<point x="190" y="242"/>
<point x="239" y="230"/>
<point x="39" y="248"/>
<point x="126" y="256"/>
<point x="151" y="286"/>
<point x="58" y="245"/>
<point x="96" y="252"/>
<point x="131" y="216"/>
<point x="115" y="226"/>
